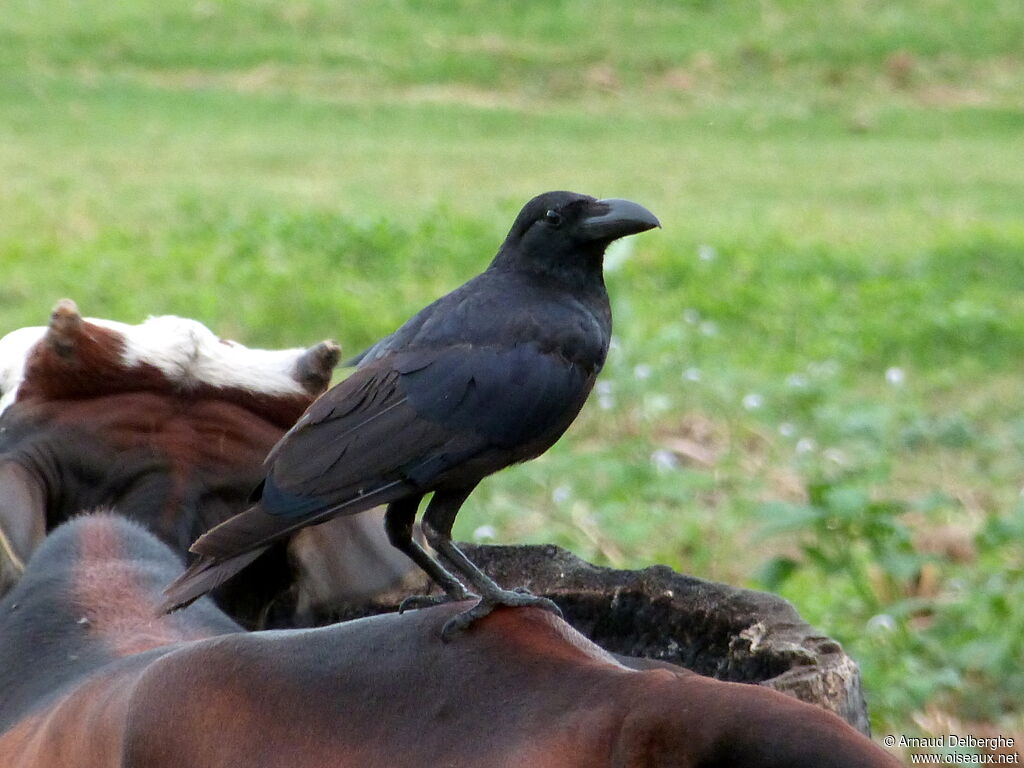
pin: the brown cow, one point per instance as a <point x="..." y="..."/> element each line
<point x="91" y="678"/>
<point x="170" y="425"/>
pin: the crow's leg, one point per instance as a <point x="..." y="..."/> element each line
<point x="398" y="522"/>
<point x="437" y="526"/>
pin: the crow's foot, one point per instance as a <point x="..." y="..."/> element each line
<point x="425" y="601"/>
<point x="513" y="598"/>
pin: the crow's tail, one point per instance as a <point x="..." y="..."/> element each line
<point x="223" y="551"/>
<point x="227" y="548"/>
<point x="205" y="574"/>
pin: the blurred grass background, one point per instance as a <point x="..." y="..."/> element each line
<point x="815" y="383"/>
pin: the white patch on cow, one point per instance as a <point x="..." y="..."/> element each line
<point x="14" y="349"/>
<point x="188" y="353"/>
<point x="185" y="351"/>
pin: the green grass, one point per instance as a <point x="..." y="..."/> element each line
<point x="841" y="191"/>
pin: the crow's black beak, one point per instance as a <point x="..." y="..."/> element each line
<point x="612" y="219"/>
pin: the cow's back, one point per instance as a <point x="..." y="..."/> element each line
<point x="520" y="688"/>
<point x="87" y="599"/>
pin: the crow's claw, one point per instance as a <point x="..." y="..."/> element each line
<point x="511" y="598"/>
<point x="426" y="601"/>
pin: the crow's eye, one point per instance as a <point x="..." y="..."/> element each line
<point x="553" y="217"/>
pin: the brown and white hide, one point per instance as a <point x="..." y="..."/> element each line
<point x="170" y="425"/>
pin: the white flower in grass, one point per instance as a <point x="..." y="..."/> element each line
<point x="796" y="381"/>
<point x="753" y="401"/>
<point x="485" y="533"/>
<point x="561" y="494"/>
<point x="787" y="429"/>
<point x="881" y="622"/>
<point x="706" y="252"/>
<point x="642" y="372"/>
<point x="805" y="445"/>
<point x="691" y="315"/>
<point x="692" y="374"/>
<point x="708" y="328"/>
<point x="895" y="376"/>
<point x="664" y="460"/>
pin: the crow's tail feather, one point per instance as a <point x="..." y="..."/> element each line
<point x="202" y="576"/>
<point x="227" y="548"/>
<point x="223" y="551"/>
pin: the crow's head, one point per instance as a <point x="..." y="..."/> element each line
<point x="565" y="232"/>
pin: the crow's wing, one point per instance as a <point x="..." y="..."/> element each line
<point x="508" y="396"/>
<point x="407" y="419"/>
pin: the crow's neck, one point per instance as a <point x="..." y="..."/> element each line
<point x="581" y="273"/>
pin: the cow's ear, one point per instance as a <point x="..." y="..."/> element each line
<point x="22" y="520"/>
<point x="316" y="366"/>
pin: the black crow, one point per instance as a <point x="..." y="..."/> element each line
<point x="490" y="375"/>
